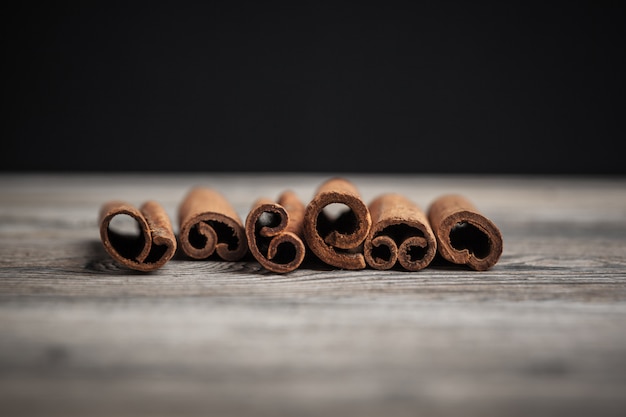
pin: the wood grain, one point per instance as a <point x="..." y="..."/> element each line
<point x="541" y="333"/>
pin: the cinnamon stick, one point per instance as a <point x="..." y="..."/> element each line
<point x="274" y="232"/>
<point x="400" y="233"/>
<point x="464" y="236"/>
<point x="337" y="240"/>
<point x="209" y="224"/>
<point x="151" y="248"/>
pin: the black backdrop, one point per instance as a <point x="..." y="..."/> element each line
<point x="305" y="86"/>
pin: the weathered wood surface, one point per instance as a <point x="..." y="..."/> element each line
<point x="542" y="333"/>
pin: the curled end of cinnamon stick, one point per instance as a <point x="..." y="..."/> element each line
<point x="274" y="233"/>
<point x="146" y="248"/>
<point x="337" y="238"/>
<point x="400" y="234"/>
<point x="209" y="224"/>
<point x="464" y="236"/>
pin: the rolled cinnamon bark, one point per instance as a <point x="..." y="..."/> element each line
<point x="151" y="248"/>
<point x="464" y="236"/>
<point x="337" y="241"/>
<point x="400" y="233"/>
<point x="274" y="232"/>
<point x="208" y="224"/>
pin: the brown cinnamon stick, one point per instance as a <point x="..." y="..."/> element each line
<point x="151" y="248"/>
<point x="337" y="241"/>
<point x="274" y="232"/>
<point x="400" y="233"/>
<point x="209" y="224"/>
<point x="464" y="236"/>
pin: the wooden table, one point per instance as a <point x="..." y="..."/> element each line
<point x="542" y="333"/>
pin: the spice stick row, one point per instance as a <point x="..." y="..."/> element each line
<point x="391" y="232"/>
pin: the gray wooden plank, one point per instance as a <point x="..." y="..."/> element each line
<point x="338" y="355"/>
<point x="541" y="333"/>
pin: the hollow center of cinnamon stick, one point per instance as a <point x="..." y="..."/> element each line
<point x="286" y="253"/>
<point x="465" y="235"/>
<point x="416" y="253"/>
<point x="399" y="233"/>
<point x="268" y="219"/>
<point x="381" y="252"/>
<point x="336" y="217"/>
<point x="125" y="236"/>
<point x="156" y="253"/>
<point x="224" y="233"/>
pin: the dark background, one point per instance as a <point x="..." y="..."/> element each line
<point x="307" y="86"/>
